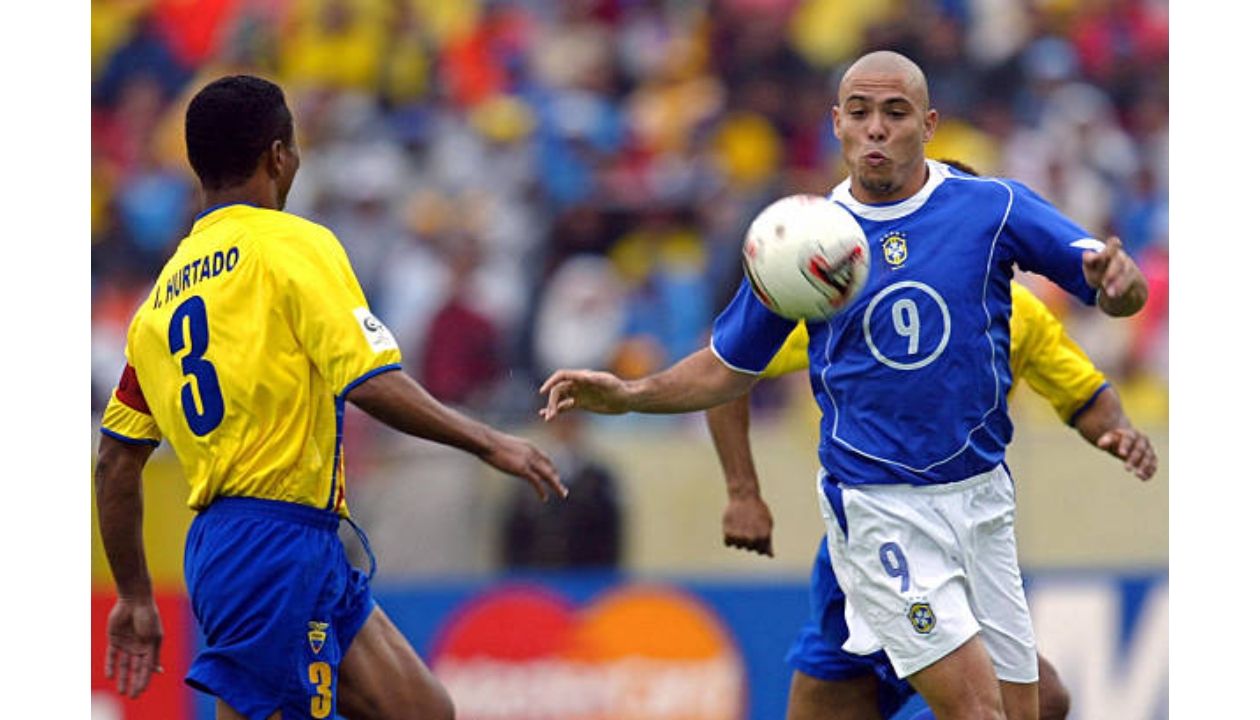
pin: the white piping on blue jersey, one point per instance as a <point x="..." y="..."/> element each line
<point x="937" y="173"/>
<point x="730" y="365"/>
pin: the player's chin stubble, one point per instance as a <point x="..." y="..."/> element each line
<point x="877" y="186"/>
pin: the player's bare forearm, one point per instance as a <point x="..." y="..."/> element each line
<point x="400" y="402"/>
<point x="1106" y="426"/>
<point x="1122" y="288"/>
<point x="120" y="514"/>
<point x="697" y="382"/>
<point x="728" y="427"/>
<point x="746" y="522"/>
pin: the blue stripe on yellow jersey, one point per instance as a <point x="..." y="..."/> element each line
<point x="244" y="351"/>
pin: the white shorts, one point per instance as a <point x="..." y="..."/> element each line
<point x="927" y="567"/>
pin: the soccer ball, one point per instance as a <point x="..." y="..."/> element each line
<point x="806" y="257"/>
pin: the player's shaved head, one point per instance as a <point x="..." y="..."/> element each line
<point x="883" y="122"/>
<point x="887" y="66"/>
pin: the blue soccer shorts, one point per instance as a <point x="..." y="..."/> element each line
<point x="278" y="603"/>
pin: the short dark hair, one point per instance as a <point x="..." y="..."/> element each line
<point x="230" y="124"/>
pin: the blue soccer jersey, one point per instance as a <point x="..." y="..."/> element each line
<point x="912" y="377"/>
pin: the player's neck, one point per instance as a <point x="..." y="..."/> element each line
<point x="870" y="196"/>
<point x="257" y="191"/>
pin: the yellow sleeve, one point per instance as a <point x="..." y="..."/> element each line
<point x="1043" y="355"/>
<point x="128" y="424"/>
<point x="793" y="356"/>
<point x="328" y="310"/>
<point x="127" y="415"/>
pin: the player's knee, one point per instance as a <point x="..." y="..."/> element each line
<point x="431" y="705"/>
<point x="443" y="707"/>
<point x="1053" y="699"/>
<point x="1053" y="702"/>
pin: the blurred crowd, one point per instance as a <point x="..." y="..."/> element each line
<point x="532" y="184"/>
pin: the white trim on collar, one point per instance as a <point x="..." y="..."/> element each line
<point x="937" y="172"/>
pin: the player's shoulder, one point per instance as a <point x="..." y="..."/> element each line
<point x="282" y="231"/>
<point x="966" y="176"/>
<point x="290" y="223"/>
<point x="961" y="180"/>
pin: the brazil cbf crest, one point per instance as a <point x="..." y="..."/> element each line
<point x="317" y="634"/>
<point x="895" y="249"/>
<point x="921" y="617"/>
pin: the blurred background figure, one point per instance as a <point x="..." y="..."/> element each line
<point x="585" y="531"/>
<point x="647" y="132"/>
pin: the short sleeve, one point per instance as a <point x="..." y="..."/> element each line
<point x="328" y="311"/>
<point x="793" y="356"/>
<point x="127" y="417"/>
<point x="1049" y="243"/>
<point x="746" y="335"/>
<point x="1053" y="365"/>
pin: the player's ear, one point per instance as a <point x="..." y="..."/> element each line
<point x="929" y="125"/>
<point x="276" y="159"/>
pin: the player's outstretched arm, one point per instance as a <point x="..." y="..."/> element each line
<point x="134" y="627"/>
<point x="697" y="382"/>
<point x="747" y="522"/>
<point x="397" y="400"/>
<point x="1122" y="288"/>
<point x="1106" y="426"/>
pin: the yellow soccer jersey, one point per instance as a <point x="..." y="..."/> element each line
<point x="1047" y="359"/>
<point x="242" y="357"/>
<point x="1042" y="354"/>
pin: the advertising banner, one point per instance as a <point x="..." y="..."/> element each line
<point x="577" y="646"/>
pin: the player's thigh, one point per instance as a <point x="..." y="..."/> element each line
<point x="961" y="685"/>
<point x="382" y="677"/>
<point x="812" y="698"/>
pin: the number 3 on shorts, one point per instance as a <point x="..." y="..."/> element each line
<point x="895" y="563"/>
<point x="320" y="674"/>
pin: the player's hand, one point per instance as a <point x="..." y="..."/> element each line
<point x="747" y="524"/>
<point x="1134" y="448"/>
<point x="1121" y="285"/>
<point x="599" y="392"/>
<point x="518" y="457"/>
<point x="135" y="642"/>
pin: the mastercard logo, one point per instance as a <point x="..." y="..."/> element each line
<point x="634" y="653"/>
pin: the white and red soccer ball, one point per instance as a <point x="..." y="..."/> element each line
<point x="806" y="257"/>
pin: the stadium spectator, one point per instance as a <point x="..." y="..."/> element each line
<point x="625" y="101"/>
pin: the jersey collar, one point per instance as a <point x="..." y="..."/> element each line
<point x="891" y="211"/>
